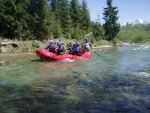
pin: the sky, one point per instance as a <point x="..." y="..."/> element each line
<point x="129" y="10"/>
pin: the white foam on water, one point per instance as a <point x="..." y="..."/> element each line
<point x="10" y="67"/>
<point x="68" y="60"/>
<point x="141" y="74"/>
<point x="141" y="47"/>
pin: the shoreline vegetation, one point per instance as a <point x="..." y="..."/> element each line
<point x="16" y="46"/>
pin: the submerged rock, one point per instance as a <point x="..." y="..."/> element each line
<point x="1" y="62"/>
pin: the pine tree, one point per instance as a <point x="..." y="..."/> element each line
<point x="21" y="20"/>
<point x="7" y="20"/>
<point x="85" y="18"/>
<point x="66" y="21"/>
<point x="39" y="18"/>
<point x="57" y="30"/>
<point x="75" y="12"/>
<point x="98" y="31"/>
<point x="111" y="26"/>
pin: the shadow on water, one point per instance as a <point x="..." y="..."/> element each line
<point x="42" y="60"/>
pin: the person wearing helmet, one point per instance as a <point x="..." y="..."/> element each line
<point x="78" y="49"/>
<point x="71" y="47"/>
<point x="60" y="48"/>
<point x="51" y="46"/>
<point x="59" y="42"/>
<point x="87" y="45"/>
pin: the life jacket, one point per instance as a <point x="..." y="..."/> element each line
<point x="87" y="45"/>
<point x="61" y="50"/>
<point x="71" y="47"/>
<point x="80" y="48"/>
<point x="52" y="48"/>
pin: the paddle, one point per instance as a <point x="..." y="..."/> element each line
<point x="97" y="53"/>
<point x="34" y="52"/>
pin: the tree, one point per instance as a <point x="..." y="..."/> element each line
<point x="75" y="13"/>
<point x="57" y="30"/>
<point x="111" y="26"/>
<point x="39" y="18"/>
<point x="7" y="18"/>
<point x="98" y="31"/>
<point x="65" y="18"/>
<point x="85" y="18"/>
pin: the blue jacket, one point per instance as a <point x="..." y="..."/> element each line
<point x="61" y="48"/>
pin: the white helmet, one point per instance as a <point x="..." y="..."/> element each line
<point x="51" y="41"/>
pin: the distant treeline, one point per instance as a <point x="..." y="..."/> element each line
<point x="43" y="19"/>
<point x="135" y="33"/>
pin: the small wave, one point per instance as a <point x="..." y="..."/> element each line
<point x="141" y="47"/>
<point x="10" y="68"/>
<point x="142" y="74"/>
<point x="68" y="60"/>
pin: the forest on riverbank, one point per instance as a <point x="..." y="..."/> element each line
<point x="45" y="19"/>
<point x="41" y="20"/>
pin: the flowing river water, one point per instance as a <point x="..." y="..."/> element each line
<point x="115" y="80"/>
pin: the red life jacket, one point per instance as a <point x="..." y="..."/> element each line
<point x="81" y="48"/>
<point x="52" y="48"/>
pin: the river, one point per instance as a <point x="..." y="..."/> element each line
<point x="115" y="80"/>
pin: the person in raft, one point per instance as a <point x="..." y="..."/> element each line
<point x="51" y="46"/>
<point x="77" y="49"/>
<point x="87" y="45"/>
<point x="61" y="48"/>
<point x="71" y="47"/>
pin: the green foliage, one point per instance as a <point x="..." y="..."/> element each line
<point x="85" y="18"/>
<point x="98" y="31"/>
<point x="75" y="12"/>
<point x="65" y="19"/>
<point x="42" y="19"/>
<point x="111" y="26"/>
<point x="24" y="19"/>
<point x="102" y="42"/>
<point x="57" y="31"/>
<point x="136" y="34"/>
<point x="36" y="44"/>
<point x="116" y="42"/>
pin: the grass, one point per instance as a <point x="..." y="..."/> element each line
<point x="31" y="45"/>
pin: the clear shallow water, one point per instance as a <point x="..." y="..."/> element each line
<point x="113" y="80"/>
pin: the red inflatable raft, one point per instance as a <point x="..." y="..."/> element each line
<point x="44" y="54"/>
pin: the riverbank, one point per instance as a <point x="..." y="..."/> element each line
<point x="14" y="46"/>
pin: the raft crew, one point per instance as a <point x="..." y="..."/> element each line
<point x="71" y="47"/>
<point x="60" y="48"/>
<point x="87" y="45"/>
<point x="77" y="49"/>
<point x="52" y="47"/>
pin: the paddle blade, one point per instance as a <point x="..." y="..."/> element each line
<point x="34" y="52"/>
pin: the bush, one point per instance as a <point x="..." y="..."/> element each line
<point x="137" y="34"/>
<point x="102" y="42"/>
<point x="36" y="44"/>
